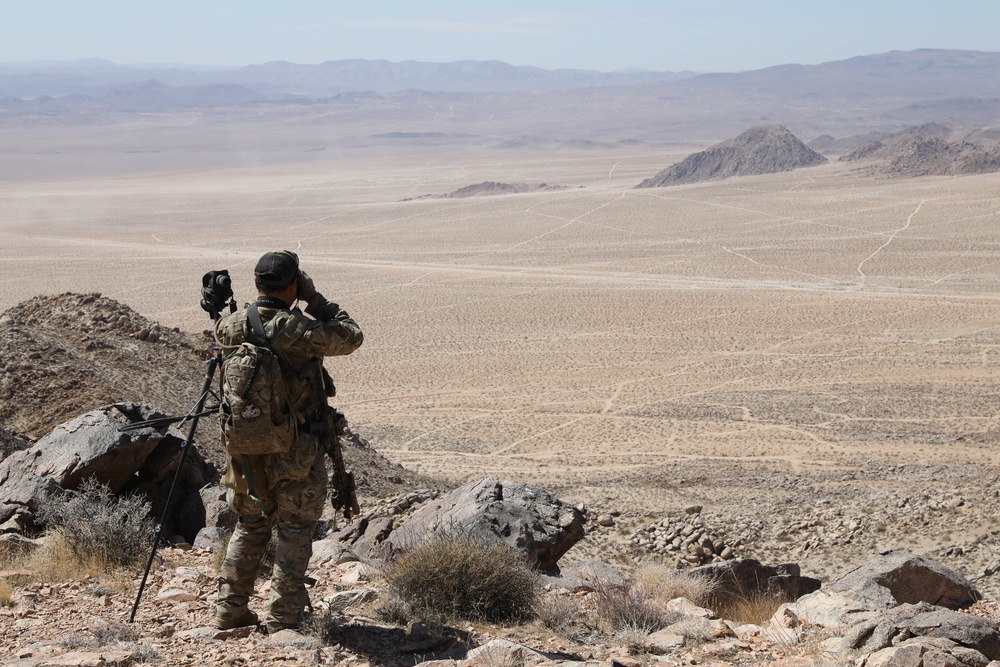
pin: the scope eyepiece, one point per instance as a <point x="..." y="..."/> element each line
<point x="216" y="291"/>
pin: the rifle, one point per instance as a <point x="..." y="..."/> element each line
<point x="343" y="495"/>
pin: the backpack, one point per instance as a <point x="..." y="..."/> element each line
<point x="257" y="417"/>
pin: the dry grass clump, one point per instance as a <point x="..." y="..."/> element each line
<point x="461" y="578"/>
<point x="6" y="592"/>
<point x="627" y="609"/>
<point x="663" y="583"/>
<point x="56" y="560"/>
<point x="98" y="527"/>
<point x="756" y="607"/>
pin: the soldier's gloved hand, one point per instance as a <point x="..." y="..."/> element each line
<point x="306" y="290"/>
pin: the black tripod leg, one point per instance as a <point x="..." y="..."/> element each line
<point x="180" y="466"/>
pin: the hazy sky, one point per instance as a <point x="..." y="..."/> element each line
<point x="700" y="35"/>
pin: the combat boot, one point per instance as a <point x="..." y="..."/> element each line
<point x="227" y="618"/>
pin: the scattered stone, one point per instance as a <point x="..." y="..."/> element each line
<point x="684" y="607"/>
<point x="690" y="541"/>
<point x="665" y="641"/>
<point x="172" y="594"/>
<point x="293" y="639"/>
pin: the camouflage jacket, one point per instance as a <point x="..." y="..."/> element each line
<point x="299" y="340"/>
<point x="302" y="341"/>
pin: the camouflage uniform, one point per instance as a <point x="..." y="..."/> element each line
<point x="292" y="486"/>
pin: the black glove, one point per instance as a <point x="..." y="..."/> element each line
<point x="306" y="290"/>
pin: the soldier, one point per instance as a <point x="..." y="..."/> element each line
<point x="281" y="491"/>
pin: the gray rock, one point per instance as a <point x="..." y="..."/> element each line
<point x="91" y="445"/>
<point x="529" y="519"/>
<point x="505" y="652"/>
<point x="14" y="545"/>
<point x="897" y="656"/>
<point x="745" y="577"/>
<point x="898" y="577"/>
<point x="837" y="610"/>
<point x="212" y="538"/>
<point x="331" y="552"/>
<point x="218" y="513"/>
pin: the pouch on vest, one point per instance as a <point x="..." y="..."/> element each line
<point x="256" y="417"/>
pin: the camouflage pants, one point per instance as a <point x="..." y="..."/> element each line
<point x="297" y="506"/>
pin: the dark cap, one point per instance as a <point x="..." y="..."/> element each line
<point x="277" y="269"/>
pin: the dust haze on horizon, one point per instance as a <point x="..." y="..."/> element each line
<point x="727" y="36"/>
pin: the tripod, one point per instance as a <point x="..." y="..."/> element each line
<point x="215" y="290"/>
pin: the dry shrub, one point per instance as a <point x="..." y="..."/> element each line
<point x="323" y="625"/>
<point x="624" y="608"/>
<point x="113" y="632"/>
<point x="99" y="527"/>
<point x="662" y="583"/>
<point x="6" y="592"/>
<point x="493" y="656"/>
<point x="556" y="612"/>
<point x="462" y="578"/>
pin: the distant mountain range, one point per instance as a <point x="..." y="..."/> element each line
<point x="507" y="106"/>
<point x="90" y="77"/>
<point x="926" y="74"/>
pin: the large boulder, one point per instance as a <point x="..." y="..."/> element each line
<point x="92" y="445"/>
<point x="899" y="577"/>
<point x="744" y="578"/>
<point x="527" y="518"/>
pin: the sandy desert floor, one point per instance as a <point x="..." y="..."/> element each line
<point x="757" y="346"/>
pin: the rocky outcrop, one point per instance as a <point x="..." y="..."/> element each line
<point x="767" y="149"/>
<point x="898" y="609"/>
<point x="925" y="628"/>
<point x="899" y="577"/>
<point x="93" y="446"/>
<point x="529" y="519"/>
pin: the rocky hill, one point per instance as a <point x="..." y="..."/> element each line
<point x="922" y="155"/>
<point x="65" y="354"/>
<point x="492" y="188"/>
<point x="766" y="149"/>
<point x="844" y="146"/>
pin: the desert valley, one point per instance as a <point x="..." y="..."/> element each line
<point x="811" y="356"/>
